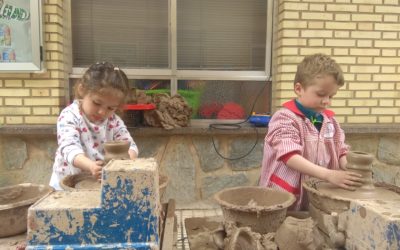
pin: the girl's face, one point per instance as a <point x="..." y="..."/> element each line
<point x="99" y="106"/>
<point x="318" y="95"/>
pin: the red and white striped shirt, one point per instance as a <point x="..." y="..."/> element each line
<point x="289" y="133"/>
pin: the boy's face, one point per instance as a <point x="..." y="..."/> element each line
<point x="317" y="95"/>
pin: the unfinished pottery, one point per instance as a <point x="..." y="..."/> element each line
<point x="85" y="181"/>
<point x="243" y="239"/>
<point x="261" y="209"/>
<point x="300" y="231"/>
<point x="361" y="163"/>
<point x="14" y="203"/>
<point x="340" y="214"/>
<point x="117" y="150"/>
<point x="329" y="198"/>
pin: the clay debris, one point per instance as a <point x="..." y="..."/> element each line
<point x="171" y="112"/>
<point x="229" y="237"/>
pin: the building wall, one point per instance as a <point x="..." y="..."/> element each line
<point x="361" y="35"/>
<point x="36" y="98"/>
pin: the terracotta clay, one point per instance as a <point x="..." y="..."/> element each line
<point x="117" y="150"/>
<point x="261" y="209"/>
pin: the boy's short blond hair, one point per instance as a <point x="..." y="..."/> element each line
<point x="318" y="64"/>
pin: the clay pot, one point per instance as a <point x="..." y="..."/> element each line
<point x="14" y="203"/>
<point x="117" y="150"/>
<point x="361" y="163"/>
<point x="261" y="209"/>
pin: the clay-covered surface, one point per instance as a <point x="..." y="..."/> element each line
<point x="379" y="222"/>
<point x="14" y="203"/>
<point x="199" y="231"/>
<point x="261" y="209"/>
<point x="69" y="200"/>
<point x="210" y="233"/>
<point x="85" y="181"/>
<point x="13" y="242"/>
<point x="125" y="214"/>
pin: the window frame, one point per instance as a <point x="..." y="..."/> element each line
<point x="174" y="74"/>
<point x="36" y="25"/>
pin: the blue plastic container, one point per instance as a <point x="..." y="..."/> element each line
<point x="260" y="120"/>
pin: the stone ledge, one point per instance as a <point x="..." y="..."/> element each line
<point x="199" y="130"/>
<point x="192" y="130"/>
<point x="28" y="130"/>
<point x="371" y="128"/>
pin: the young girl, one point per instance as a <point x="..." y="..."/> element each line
<point x="90" y="121"/>
<point x="304" y="139"/>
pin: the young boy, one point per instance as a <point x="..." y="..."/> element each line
<point x="304" y="139"/>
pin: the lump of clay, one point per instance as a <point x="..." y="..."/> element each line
<point x="299" y="231"/>
<point x="172" y="112"/>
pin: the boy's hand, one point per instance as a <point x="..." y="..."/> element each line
<point x="96" y="168"/>
<point x="344" y="179"/>
<point x="343" y="162"/>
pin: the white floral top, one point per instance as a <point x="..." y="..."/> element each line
<point x="77" y="135"/>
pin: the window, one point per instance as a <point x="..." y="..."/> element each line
<point x="221" y="35"/>
<point x="211" y="52"/>
<point x="20" y="36"/>
<point x="132" y="34"/>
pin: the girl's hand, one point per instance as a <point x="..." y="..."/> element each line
<point x="344" y="179"/>
<point x="132" y="154"/>
<point x="96" y="168"/>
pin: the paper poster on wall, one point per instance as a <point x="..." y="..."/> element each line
<point x="15" y="31"/>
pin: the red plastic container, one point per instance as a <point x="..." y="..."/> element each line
<point x="149" y="106"/>
<point x="133" y="115"/>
